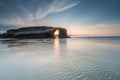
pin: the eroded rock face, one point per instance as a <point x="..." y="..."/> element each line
<point x="35" y="32"/>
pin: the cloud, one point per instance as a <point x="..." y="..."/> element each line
<point x="105" y="29"/>
<point x="41" y="12"/>
<point x="55" y="7"/>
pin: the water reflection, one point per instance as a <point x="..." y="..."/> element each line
<point x="23" y="42"/>
<point x="60" y="59"/>
<point x="60" y="49"/>
<point x="57" y="49"/>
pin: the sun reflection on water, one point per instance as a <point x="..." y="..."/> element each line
<point x="57" y="49"/>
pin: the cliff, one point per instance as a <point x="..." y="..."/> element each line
<point x="35" y="32"/>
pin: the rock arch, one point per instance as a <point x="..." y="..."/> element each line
<point x="62" y="32"/>
<point x="35" y="32"/>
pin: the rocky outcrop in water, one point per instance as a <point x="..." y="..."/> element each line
<point x="35" y="32"/>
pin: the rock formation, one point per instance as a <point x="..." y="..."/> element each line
<point x="35" y="32"/>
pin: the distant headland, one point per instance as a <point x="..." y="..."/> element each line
<point x="35" y="32"/>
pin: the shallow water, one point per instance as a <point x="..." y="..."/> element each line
<point x="60" y="59"/>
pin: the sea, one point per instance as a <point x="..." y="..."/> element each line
<point x="76" y="58"/>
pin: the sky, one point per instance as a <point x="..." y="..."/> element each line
<point x="79" y="17"/>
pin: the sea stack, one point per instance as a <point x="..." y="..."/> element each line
<point x="35" y="32"/>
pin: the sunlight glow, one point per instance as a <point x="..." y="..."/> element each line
<point x="56" y="33"/>
<point x="57" y="50"/>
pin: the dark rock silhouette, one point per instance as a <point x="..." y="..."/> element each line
<point x="35" y="32"/>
